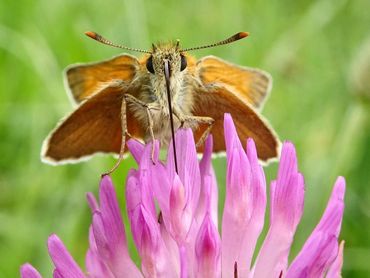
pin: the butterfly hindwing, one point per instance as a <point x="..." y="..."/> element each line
<point x="215" y="102"/>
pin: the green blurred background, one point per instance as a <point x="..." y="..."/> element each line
<point x="318" y="53"/>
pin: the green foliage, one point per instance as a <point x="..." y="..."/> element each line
<point x="309" y="47"/>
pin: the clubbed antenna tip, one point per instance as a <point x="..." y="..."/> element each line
<point x="233" y="38"/>
<point x="242" y="35"/>
<point x="92" y="35"/>
<point x="103" y="40"/>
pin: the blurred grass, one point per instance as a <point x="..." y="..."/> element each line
<point x="309" y="47"/>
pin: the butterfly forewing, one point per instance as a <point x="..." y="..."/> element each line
<point x="84" y="80"/>
<point x="248" y="84"/>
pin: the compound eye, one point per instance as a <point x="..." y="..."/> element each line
<point x="149" y="64"/>
<point x="183" y="62"/>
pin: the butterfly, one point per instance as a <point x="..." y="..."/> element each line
<point x="153" y="96"/>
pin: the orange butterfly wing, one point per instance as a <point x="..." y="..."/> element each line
<point x="240" y="91"/>
<point x="249" y="124"/>
<point x="85" y="80"/>
<point x="95" y="126"/>
<point x="250" y="85"/>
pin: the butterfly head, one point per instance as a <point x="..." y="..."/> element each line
<point x="169" y="54"/>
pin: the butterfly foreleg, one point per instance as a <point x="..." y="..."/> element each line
<point x="191" y="120"/>
<point x="147" y="107"/>
<point x="123" y="137"/>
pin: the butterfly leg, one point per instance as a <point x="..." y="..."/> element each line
<point x="205" y="133"/>
<point x="148" y="107"/>
<point x="199" y="120"/>
<point x="123" y="138"/>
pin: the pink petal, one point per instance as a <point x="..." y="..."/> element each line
<point x="136" y="148"/>
<point x="102" y="246"/>
<point x="287" y="195"/>
<point x="63" y="261"/>
<point x="171" y="246"/>
<point x="143" y="218"/>
<point x="111" y="216"/>
<point x="180" y="214"/>
<point x="139" y="184"/>
<point x="321" y="248"/>
<point x="133" y="191"/>
<point x="183" y="262"/>
<point x="161" y="186"/>
<point x="259" y="188"/>
<point x="57" y="274"/>
<point x="110" y="234"/>
<point x="335" y="270"/>
<point x="208" y="199"/>
<point x="95" y="266"/>
<point x="207" y="249"/>
<point x="257" y="206"/>
<point x="154" y="256"/>
<point x="231" y="137"/>
<point x="207" y="204"/>
<point x="93" y="204"/>
<point x="245" y="203"/>
<point x="28" y="271"/>
<point x="205" y="164"/>
<point x="145" y="177"/>
<point x="289" y="190"/>
<point x="319" y="253"/>
<point x="236" y="213"/>
<point x="331" y="220"/>
<point x="147" y="239"/>
<point x="188" y="166"/>
<point x="146" y="153"/>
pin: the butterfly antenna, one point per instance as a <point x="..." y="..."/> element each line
<point x="103" y="40"/>
<point x="234" y="38"/>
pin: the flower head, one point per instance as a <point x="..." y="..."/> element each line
<point x="174" y="219"/>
